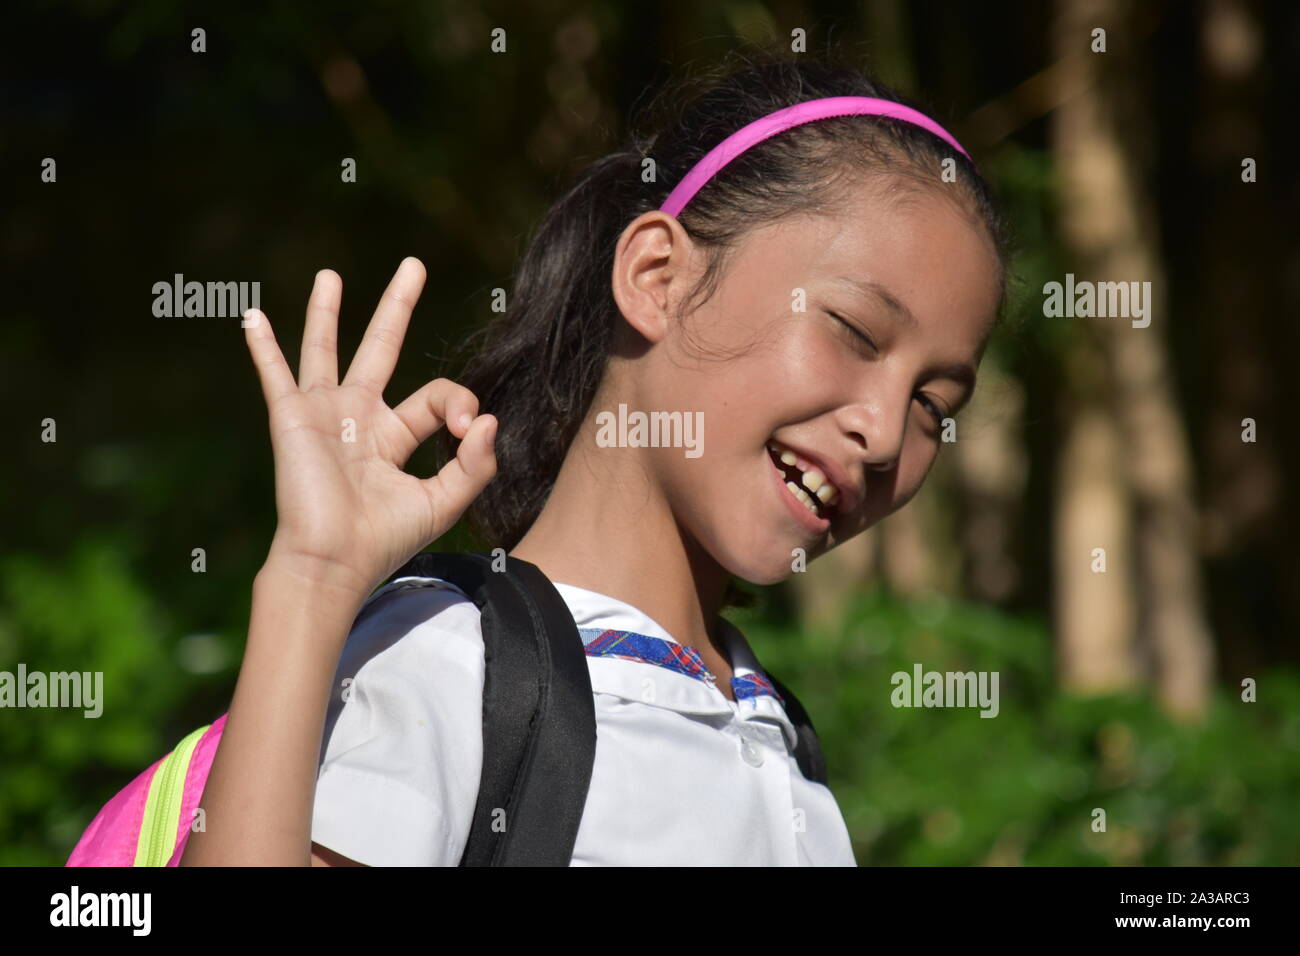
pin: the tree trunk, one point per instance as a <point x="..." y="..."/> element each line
<point x="1109" y="227"/>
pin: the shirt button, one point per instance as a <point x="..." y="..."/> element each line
<point x="749" y="753"/>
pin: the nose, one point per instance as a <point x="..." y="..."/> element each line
<point x="876" y="428"/>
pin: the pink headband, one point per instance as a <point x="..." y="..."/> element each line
<point x="783" y="119"/>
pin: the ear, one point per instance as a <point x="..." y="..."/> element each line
<point x="651" y="273"/>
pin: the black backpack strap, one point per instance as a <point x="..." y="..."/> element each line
<point x="808" y="752"/>
<point x="539" y="716"/>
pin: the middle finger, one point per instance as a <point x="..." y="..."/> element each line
<point x="376" y="357"/>
<point x="318" y="364"/>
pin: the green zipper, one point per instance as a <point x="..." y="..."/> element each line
<point x="162" y="808"/>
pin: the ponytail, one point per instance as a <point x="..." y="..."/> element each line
<point x="538" y="366"/>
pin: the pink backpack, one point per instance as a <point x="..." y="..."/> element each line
<point x="148" y="822"/>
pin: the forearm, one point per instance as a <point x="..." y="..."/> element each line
<point x="262" y="785"/>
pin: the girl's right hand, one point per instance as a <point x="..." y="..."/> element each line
<point x="347" y="514"/>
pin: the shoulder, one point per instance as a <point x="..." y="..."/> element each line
<point x="401" y="753"/>
<point x="411" y="621"/>
<point x="415" y="650"/>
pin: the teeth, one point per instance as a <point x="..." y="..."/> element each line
<point x="814" y="480"/>
<point x="803" y="496"/>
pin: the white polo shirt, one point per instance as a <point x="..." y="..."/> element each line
<point x="682" y="775"/>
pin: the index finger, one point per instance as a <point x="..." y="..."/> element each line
<point x="439" y="402"/>
<point x="272" y="370"/>
<point x="376" y="357"/>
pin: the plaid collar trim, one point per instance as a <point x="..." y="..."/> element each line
<point x="632" y="646"/>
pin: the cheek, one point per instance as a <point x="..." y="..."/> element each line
<point x="918" y="457"/>
<point x="812" y="369"/>
<point x="780" y="372"/>
<point x="888" y="492"/>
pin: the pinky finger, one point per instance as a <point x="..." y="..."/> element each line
<point x="277" y="380"/>
<point x="463" y="478"/>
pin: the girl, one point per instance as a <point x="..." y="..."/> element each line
<point x="818" y="294"/>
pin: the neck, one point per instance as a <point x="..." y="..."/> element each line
<point x="608" y="527"/>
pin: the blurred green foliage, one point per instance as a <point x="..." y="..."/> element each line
<point x="925" y="786"/>
<point x="88" y="613"/>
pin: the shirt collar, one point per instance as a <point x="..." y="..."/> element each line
<point x="631" y="656"/>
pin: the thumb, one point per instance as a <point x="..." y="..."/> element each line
<point x="463" y="478"/>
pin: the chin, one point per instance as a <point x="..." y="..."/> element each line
<point x="766" y="578"/>
<point x="758" y="565"/>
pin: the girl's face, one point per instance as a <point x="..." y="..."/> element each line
<point x="844" y="341"/>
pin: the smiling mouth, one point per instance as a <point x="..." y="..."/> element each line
<point x="820" y="498"/>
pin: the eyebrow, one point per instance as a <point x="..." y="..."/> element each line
<point x="869" y="287"/>
<point x="959" y="372"/>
